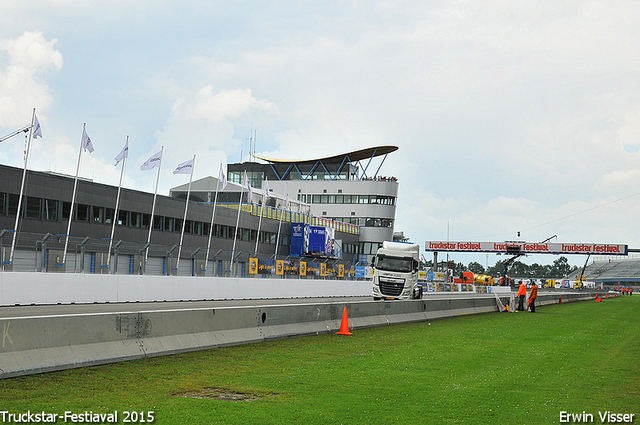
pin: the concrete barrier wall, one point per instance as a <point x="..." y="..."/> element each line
<point x="47" y="343"/>
<point x="18" y="288"/>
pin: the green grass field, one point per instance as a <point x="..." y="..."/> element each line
<point x="499" y="368"/>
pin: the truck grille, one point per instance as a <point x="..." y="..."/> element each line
<point x="391" y="289"/>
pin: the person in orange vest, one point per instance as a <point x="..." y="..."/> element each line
<point x="522" y="293"/>
<point x="533" y="294"/>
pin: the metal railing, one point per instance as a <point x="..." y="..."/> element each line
<point x="44" y="253"/>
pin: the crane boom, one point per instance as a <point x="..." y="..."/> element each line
<point x="10" y="135"/>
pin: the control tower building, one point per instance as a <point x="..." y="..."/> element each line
<point x="346" y="188"/>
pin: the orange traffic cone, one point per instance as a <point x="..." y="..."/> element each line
<point x="606" y="296"/>
<point x="560" y="302"/>
<point x="344" y="326"/>
<point x="597" y="299"/>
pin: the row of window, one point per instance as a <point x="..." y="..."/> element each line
<point x="48" y="209"/>
<point x="257" y="177"/>
<point x="347" y="199"/>
<point x="366" y="222"/>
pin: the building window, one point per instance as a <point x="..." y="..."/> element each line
<point x="3" y="203"/>
<point x="33" y="207"/>
<point x="109" y="213"/>
<point x="146" y="221"/>
<point x="97" y="215"/>
<point x="82" y="212"/>
<point x="50" y="209"/>
<point x="123" y="218"/>
<point x="12" y="204"/>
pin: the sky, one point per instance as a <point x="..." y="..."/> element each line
<point x="509" y="116"/>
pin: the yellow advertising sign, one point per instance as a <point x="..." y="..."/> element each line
<point x="340" y="270"/>
<point x="303" y="268"/>
<point x="253" y="266"/>
<point x="323" y="269"/>
<point x="280" y="267"/>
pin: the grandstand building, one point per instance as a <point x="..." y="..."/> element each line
<point x="612" y="273"/>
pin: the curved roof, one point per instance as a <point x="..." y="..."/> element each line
<point x="337" y="159"/>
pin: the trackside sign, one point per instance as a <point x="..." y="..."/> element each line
<point x="528" y="248"/>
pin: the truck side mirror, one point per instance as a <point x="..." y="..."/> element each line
<point x="416" y="264"/>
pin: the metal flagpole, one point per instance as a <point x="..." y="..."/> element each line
<point x="184" y="219"/>
<point x="280" y="222"/>
<point x="264" y="195"/>
<point x="153" y="210"/>
<point x="235" y="234"/>
<point x="73" y="198"/>
<point x="24" y="175"/>
<point x="115" y="214"/>
<point x="213" y="214"/>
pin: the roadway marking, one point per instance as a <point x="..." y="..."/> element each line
<point x="5" y="334"/>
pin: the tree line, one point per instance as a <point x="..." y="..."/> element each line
<point x="559" y="268"/>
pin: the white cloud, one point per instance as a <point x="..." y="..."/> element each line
<point x="202" y="124"/>
<point x="23" y="61"/>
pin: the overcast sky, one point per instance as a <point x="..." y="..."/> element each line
<point x="510" y="116"/>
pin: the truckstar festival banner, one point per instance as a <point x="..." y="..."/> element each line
<point x="528" y="248"/>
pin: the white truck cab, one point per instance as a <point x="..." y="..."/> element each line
<point x="395" y="271"/>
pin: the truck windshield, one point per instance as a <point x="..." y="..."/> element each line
<point x="394" y="264"/>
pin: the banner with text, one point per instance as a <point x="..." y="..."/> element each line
<point x="528" y="248"/>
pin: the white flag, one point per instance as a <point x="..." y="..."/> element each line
<point x="266" y="187"/>
<point x="247" y="185"/>
<point x="37" y="130"/>
<point x="185" y="167"/>
<point x="152" y="162"/>
<point x="87" y="144"/>
<point x="124" y="153"/>
<point x="223" y="179"/>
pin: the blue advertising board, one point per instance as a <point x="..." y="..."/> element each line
<point x="297" y="246"/>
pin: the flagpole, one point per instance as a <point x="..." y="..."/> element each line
<point x="261" y="214"/>
<point x="24" y="175"/>
<point x="73" y="199"/>
<point x="115" y="214"/>
<point x="213" y="214"/>
<point x="184" y="219"/>
<point x="153" y="210"/>
<point x="235" y="234"/>
<point x="280" y="222"/>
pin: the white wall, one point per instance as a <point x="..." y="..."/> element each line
<point x="25" y="288"/>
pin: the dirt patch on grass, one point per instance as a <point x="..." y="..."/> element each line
<point x="220" y="394"/>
